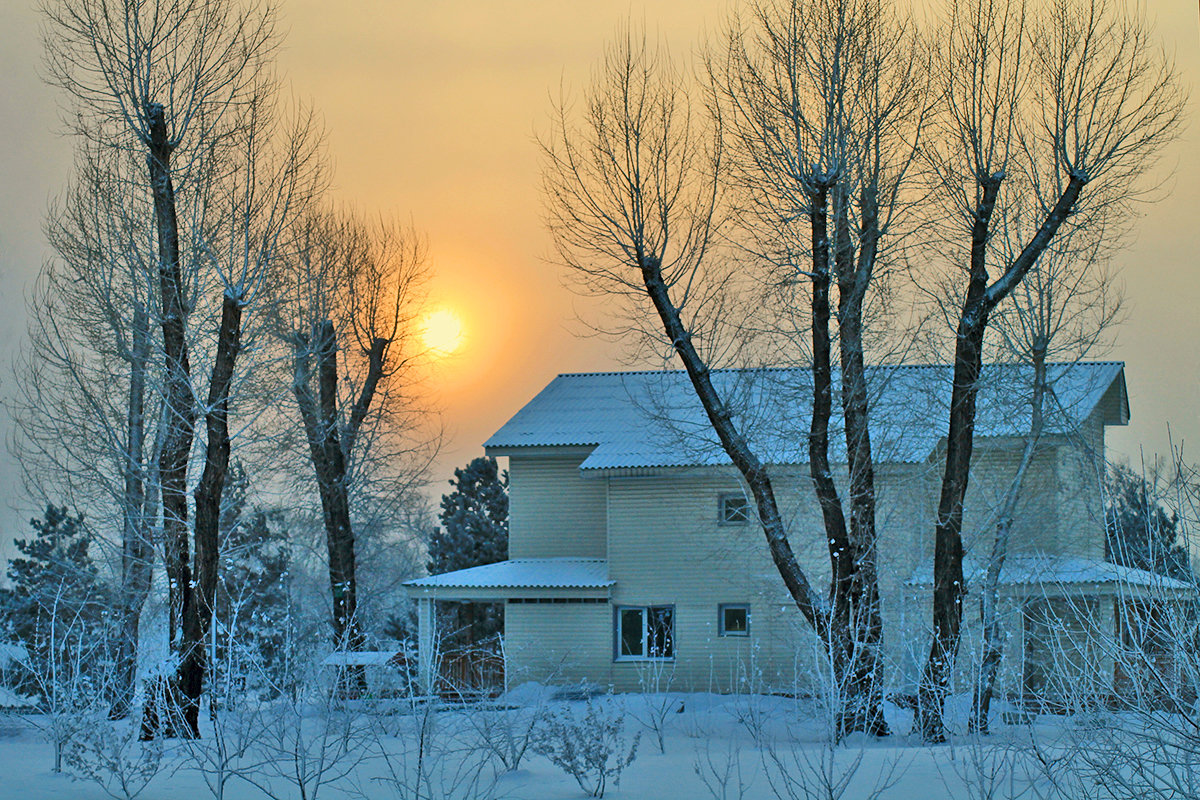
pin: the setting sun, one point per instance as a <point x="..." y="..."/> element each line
<point x="442" y="331"/>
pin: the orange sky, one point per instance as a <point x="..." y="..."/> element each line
<point x="432" y="108"/>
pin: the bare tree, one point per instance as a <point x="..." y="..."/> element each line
<point x="187" y="85"/>
<point x="86" y="404"/>
<point x="1062" y="312"/>
<point x="632" y="202"/>
<point x="276" y="175"/>
<point x="160" y="78"/>
<point x="348" y="307"/>
<point x="1058" y="113"/>
<point x="825" y="102"/>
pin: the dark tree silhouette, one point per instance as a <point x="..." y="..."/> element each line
<point x="1140" y="532"/>
<point x="474" y="532"/>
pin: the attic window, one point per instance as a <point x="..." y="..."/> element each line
<point x="733" y="509"/>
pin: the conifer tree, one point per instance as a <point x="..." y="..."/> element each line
<point x="253" y="602"/>
<point x="56" y="602"/>
<point x="474" y="531"/>
<point x="1141" y="533"/>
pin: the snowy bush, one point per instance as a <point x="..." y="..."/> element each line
<point x="72" y="692"/>
<point x="305" y="744"/>
<point x="508" y="727"/>
<point x="810" y="756"/>
<point x="430" y="753"/>
<point x="590" y="747"/>
<point x="508" y="731"/>
<point x="987" y="768"/>
<point x="657" y="707"/>
<point x="718" y="764"/>
<point x="228" y="747"/>
<point x="110" y="755"/>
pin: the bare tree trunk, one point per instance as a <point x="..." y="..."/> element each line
<point x="854" y="638"/>
<point x="329" y="452"/>
<point x="180" y="410"/>
<point x="753" y="471"/>
<point x="981" y="299"/>
<point x="198" y="603"/>
<point x="993" y="632"/>
<point x="136" y="548"/>
<point x="864" y="672"/>
<point x="841" y="562"/>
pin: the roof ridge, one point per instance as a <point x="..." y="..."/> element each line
<point x="675" y="371"/>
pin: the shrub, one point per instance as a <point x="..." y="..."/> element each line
<point x="592" y="747"/>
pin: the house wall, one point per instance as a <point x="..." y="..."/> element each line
<point x="1060" y="512"/>
<point x="676" y="553"/>
<point x="905" y="512"/>
<point x="558" y="643"/>
<point x="665" y="546"/>
<point x="1036" y="521"/>
<point x="552" y="510"/>
<point x="1080" y="499"/>
<point x="1063" y="660"/>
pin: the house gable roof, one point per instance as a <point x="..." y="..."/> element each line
<point x="653" y="420"/>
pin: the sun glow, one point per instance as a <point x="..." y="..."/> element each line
<point x="442" y="332"/>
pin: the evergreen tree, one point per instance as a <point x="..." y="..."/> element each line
<point x="474" y="531"/>
<point x="56" y="604"/>
<point x="1141" y="532"/>
<point x="252" y="615"/>
<point x="474" y="519"/>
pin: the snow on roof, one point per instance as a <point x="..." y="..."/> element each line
<point x="653" y="419"/>
<point x="524" y="573"/>
<point x="1030" y="569"/>
<point x="10" y="699"/>
<point x="364" y="658"/>
<point x="12" y="654"/>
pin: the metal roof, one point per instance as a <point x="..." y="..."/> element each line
<point x="364" y="658"/>
<point x="653" y="419"/>
<point x="12" y="654"/>
<point x="524" y="573"/>
<point x="1030" y="569"/>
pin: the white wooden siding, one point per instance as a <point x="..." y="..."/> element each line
<point x="553" y="510"/>
<point x="665" y="546"/>
<point x="558" y="643"/>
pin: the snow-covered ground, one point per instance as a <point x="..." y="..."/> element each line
<point x="719" y="746"/>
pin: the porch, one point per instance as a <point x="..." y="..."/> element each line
<point x="516" y="581"/>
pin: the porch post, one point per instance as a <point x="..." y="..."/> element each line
<point x="426" y="639"/>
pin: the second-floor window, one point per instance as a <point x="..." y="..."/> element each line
<point x="645" y="632"/>
<point x="733" y="509"/>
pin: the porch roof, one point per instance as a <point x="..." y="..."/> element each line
<point x="1039" y="571"/>
<point x="519" y="573"/>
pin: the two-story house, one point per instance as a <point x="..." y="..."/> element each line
<point x="634" y="547"/>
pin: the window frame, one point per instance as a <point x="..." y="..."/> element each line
<point x="645" y="610"/>
<point x="722" y="517"/>
<point x="722" y="630"/>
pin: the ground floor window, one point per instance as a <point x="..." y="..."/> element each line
<point x="645" y="632"/>
<point x="733" y="619"/>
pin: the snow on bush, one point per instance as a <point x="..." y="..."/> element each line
<point x="110" y="755"/>
<point x="590" y="747"/>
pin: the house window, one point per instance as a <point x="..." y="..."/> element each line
<point x="733" y="509"/>
<point x="645" y="632"/>
<point x="733" y="619"/>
